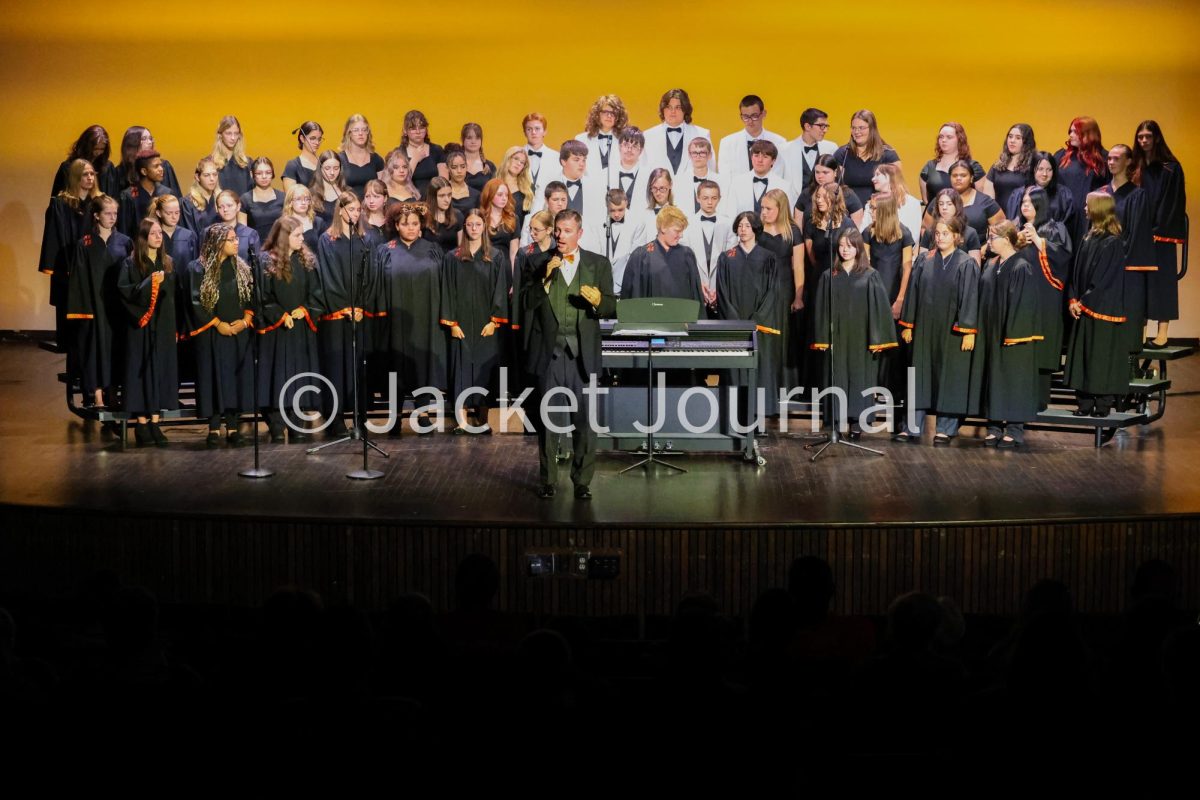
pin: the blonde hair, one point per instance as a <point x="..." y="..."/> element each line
<point x="825" y="220"/>
<point x="885" y="226"/>
<point x="196" y="192"/>
<point x="222" y="155"/>
<point x="899" y="189"/>
<point x="290" y="198"/>
<point x="355" y="118"/>
<point x="783" y="223"/>
<point x="1102" y="213"/>
<point x="670" y="217"/>
<point x="70" y="195"/>
<point x="524" y="181"/>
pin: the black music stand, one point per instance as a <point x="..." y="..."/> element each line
<point x="653" y="320"/>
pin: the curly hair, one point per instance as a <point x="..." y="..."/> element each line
<point x="592" y="126"/>
<point x="210" y="259"/>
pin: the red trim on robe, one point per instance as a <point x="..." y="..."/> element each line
<point x="1169" y="239"/>
<point x="904" y="324"/>
<point x="500" y="320"/>
<point x="447" y="323"/>
<point x="1050" y="279"/>
<point x="1098" y="315"/>
<point x="957" y="329"/>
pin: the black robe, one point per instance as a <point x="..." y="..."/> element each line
<point x="474" y="293"/>
<point x="345" y="281"/>
<point x="248" y="240"/>
<point x="940" y="307"/>
<point x="791" y="328"/>
<point x="194" y="219"/>
<point x="653" y="271"/>
<point x="107" y="180"/>
<point x="151" y="365"/>
<point x="887" y="259"/>
<point x="170" y="180"/>
<point x="1098" y="355"/>
<point x="63" y="229"/>
<point x="286" y="352"/>
<point x="410" y="292"/>
<point x="863" y="331"/>
<point x="224" y="370"/>
<point x="1051" y="270"/>
<point x="747" y="289"/>
<point x="1062" y="208"/>
<point x="133" y="205"/>
<point x="1137" y="233"/>
<point x="93" y="303"/>
<point x="1164" y="186"/>
<point x="1080" y="181"/>
<point x="1004" y="371"/>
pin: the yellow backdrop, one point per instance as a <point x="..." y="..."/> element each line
<point x="275" y="64"/>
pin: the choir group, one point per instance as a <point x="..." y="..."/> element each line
<point x="979" y="280"/>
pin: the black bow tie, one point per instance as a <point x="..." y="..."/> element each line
<point x="576" y="184"/>
<point x="624" y="175"/>
<point x="604" y="136"/>
<point x="760" y="180"/>
<point x="674" y="130"/>
<point x="810" y="148"/>
<point x="615" y="221"/>
<point x="534" y="153"/>
<point x="697" y="179"/>
<point x="708" y="219"/>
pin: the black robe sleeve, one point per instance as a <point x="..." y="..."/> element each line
<point x="503" y="272"/>
<point x="881" y="329"/>
<point x="908" y="312"/>
<point x="966" y="318"/>
<point x="1021" y="318"/>
<point x="1170" y="223"/>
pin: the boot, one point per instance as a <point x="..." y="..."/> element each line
<point x="142" y="435"/>
<point x="156" y="433"/>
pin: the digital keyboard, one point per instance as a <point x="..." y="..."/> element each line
<point x="709" y="344"/>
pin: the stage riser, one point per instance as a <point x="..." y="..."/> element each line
<point x="232" y="562"/>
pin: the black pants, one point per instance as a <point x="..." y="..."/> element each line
<point x="1096" y="405"/>
<point x="565" y="371"/>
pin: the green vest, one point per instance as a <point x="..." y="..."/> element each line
<point x="567" y="314"/>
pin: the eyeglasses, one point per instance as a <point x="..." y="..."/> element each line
<point x="697" y="152"/>
<point x="360" y="130"/>
<point x="314" y="139"/>
<point x="607" y="112"/>
<point x="751" y="117"/>
<point x="821" y="125"/>
<point x="860" y="129"/>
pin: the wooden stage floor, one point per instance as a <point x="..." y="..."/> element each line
<point x="50" y="459"/>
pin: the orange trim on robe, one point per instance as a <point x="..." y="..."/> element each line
<point x="765" y="329"/>
<point x="447" y="323"/>
<point x="818" y="346"/>
<point x="1097" y="315"/>
<point x="145" y="320"/>
<point x="1050" y="279"/>
<point x="1024" y="339"/>
<point x="45" y="270"/>
<point x="1153" y="268"/>
<point x="957" y="329"/>
<point x="207" y="325"/>
<point x="81" y="316"/>
<point x="875" y="348"/>
<point x="1169" y="239"/>
<point x="272" y="327"/>
<point x="341" y="313"/>
<point x="904" y="324"/>
<point x="499" y="320"/>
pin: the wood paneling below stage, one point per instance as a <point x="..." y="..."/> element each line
<point x="235" y="562"/>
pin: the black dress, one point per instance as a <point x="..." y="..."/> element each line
<point x="444" y="236"/>
<point x="887" y="259"/>
<point x="791" y="323"/>
<point x="1098" y="353"/>
<point x="1004" y="370"/>
<point x="94" y="305"/>
<point x="61" y="234"/>
<point x="970" y="242"/>
<point x="981" y="209"/>
<point x="1163" y="184"/>
<point x="857" y="173"/>
<point x="748" y="289"/>
<point x="286" y="353"/>
<point x="194" y="219"/>
<point x="936" y="179"/>
<point x="655" y="271"/>
<point x="358" y="177"/>
<point x="1007" y="181"/>
<point x="465" y="204"/>
<point x="1051" y="270"/>
<point x="247" y="240"/>
<point x="410" y="292"/>
<point x="426" y="169"/>
<point x="296" y="170"/>
<point x="261" y="216"/>
<point x="477" y="180"/>
<point x="474" y="293"/>
<point x="238" y="180"/>
<point x="863" y="330"/>
<point x="502" y="237"/>
<point x="224" y="369"/>
<point x="804" y="201"/>
<point x="151" y="365"/>
<point x="941" y="306"/>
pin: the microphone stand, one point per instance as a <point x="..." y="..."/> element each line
<point x="356" y="292"/>
<point x="256" y="272"/>
<point x="834" y="436"/>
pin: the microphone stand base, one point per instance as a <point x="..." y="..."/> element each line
<point x="257" y="472"/>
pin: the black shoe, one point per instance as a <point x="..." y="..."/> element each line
<point x="854" y="435"/>
<point x="564" y="456"/>
<point x="1079" y="412"/>
<point x="991" y="441"/>
<point x="1008" y="444"/>
<point x="900" y="436"/>
<point x="142" y="435"/>
<point x="159" y="437"/>
<point x="546" y="491"/>
<point x="213" y="440"/>
<point x="941" y="440"/>
<point x="236" y="439"/>
<point x="582" y="492"/>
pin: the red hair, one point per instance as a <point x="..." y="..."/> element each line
<point x="508" y="217"/>
<point x="964" y="149"/>
<point x="1090" y="153"/>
